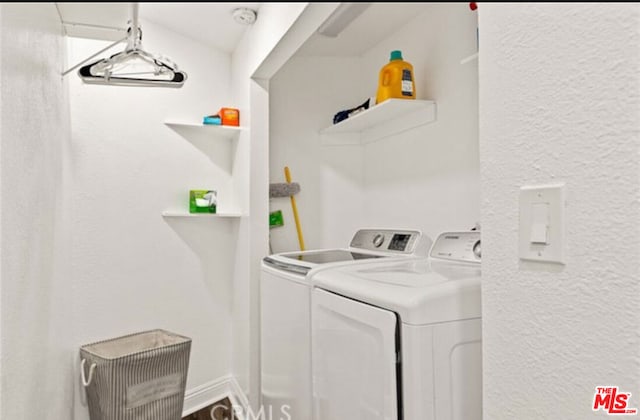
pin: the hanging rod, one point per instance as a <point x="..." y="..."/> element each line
<point x="92" y="26"/>
<point x="135" y="26"/>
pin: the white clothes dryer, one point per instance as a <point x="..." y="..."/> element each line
<point x="400" y="340"/>
<point x="286" y="310"/>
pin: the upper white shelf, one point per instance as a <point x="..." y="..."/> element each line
<point x="104" y="21"/>
<point x="170" y="213"/>
<point x="226" y="131"/>
<point x="390" y="117"/>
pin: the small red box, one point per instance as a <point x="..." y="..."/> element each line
<point x="230" y="116"/>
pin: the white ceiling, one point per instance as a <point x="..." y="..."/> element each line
<point x="210" y="23"/>
<point x="213" y="24"/>
<point x="96" y="20"/>
<point x="376" y="23"/>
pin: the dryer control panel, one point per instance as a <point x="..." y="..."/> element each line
<point x="458" y="246"/>
<point x="388" y="240"/>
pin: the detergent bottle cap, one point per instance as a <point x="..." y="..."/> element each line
<point x="396" y="55"/>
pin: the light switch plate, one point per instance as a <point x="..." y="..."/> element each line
<point x="532" y="220"/>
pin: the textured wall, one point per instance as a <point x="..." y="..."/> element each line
<point x="35" y="303"/>
<point x="130" y="268"/>
<point x="559" y="102"/>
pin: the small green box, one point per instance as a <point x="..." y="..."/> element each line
<point x="202" y="201"/>
<point x="275" y="219"/>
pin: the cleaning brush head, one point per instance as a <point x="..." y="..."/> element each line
<point x="283" y="189"/>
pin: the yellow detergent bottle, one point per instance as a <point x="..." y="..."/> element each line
<point x="396" y="79"/>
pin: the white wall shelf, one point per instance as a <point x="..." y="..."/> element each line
<point x="222" y="131"/>
<point x="217" y="142"/>
<point x="172" y="213"/>
<point x="391" y="117"/>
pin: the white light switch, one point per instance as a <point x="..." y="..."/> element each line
<point x="539" y="223"/>
<point x="541" y="233"/>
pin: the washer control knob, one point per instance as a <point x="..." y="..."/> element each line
<point x="477" y="250"/>
<point x="378" y="240"/>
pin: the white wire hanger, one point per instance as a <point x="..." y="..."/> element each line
<point x="129" y="67"/>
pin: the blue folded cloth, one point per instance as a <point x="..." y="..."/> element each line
<point x="343" y="115"/>
<point x="212" y="120"/>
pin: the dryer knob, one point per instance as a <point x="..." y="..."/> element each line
<point x="378" y="240"/>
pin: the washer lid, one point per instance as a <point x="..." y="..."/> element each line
<point x="329" y="256"/>
<point x="419" y="291"/>
<point x="367" y="244"/>
<point x="303" y="262"/>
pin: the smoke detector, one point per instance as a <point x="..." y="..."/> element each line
<point x="244" y="15"/>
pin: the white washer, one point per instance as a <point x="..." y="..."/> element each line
<point x="286" y="310"/>
<point x="400" y="340"/>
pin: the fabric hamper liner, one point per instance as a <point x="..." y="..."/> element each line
<point x="141" y="376"/>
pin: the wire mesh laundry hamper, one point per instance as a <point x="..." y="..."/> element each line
<point x="140" y="376"/>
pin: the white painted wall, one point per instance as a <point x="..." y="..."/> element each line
<point x="428" y="178"/>
<point x="35" y="306"/>
<point x="560" y="102"/>
<point x="412" y="179"/>
<point x="130" y="268"/>
<point x="280" y="29"/>
<point x="305" y="94"/>
<point x="115" y="266"/>
<point x="258" y="41"/>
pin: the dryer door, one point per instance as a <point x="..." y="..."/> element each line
<point x="354" y="360"/>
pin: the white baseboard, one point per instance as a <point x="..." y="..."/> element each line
<point x="212" y="392"/>
<point x="239" y="396"/>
